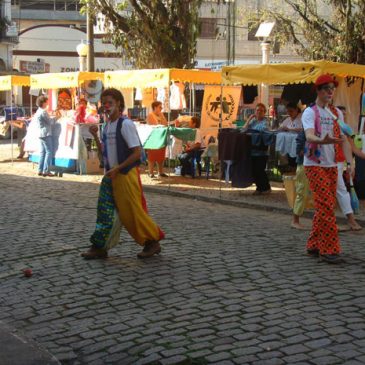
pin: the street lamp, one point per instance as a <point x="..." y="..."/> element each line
<point x="82" y="50"/>
<point x="264" y="32"/>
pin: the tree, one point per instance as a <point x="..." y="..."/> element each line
<point x="152" y="33"/>
<point x="328" y="29"/>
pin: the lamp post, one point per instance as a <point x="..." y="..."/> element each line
<point x="264" y="32"/>
<point x="265" y="49"/>
<point x="82" y="50"/>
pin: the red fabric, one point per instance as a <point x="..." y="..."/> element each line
<point x="325" y="79"/>
<point x="156" y="155"/>
<point x="144" y="204"/>
<point x="323" y="184"/>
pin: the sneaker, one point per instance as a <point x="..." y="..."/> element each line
<point x="94" y="253"/>
<point x="331" y="259"/>
<point x="313" y="252"/>
<point x="40" y="173"/>
<point x="151" y="248"/>
<point x="48" y="174"/>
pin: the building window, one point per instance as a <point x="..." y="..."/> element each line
<point x="252" y="30"/>
<point x="208" y="27"/>
<point x="60" y="5"/>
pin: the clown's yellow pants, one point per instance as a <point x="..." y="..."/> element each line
<point x="123" y="195"/>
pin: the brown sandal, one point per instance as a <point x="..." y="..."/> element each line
<point x="151" y="248"/>
<point x="95" y="253"/>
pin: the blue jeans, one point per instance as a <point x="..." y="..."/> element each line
<point x="46" y="154"/>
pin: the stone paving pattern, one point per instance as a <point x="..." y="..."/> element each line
<point x="232" y="285"/>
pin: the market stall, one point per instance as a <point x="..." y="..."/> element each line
<point x="7" y="83"/>
<point x="72" y="139"/>
<point x="350" y="76"/>
<point x="349" y="92"/>
<point x="163" y="79"/>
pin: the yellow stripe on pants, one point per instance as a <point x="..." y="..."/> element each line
<point x="129" y="201"/>
<point x="301" y="189"/>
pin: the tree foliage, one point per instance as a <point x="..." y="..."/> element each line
<point x="152" y="33"/>
<point x="328" y="29"/>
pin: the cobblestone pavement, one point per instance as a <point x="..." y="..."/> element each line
<point x="232" y="286"/>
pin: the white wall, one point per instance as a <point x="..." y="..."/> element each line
<point x="64" y="40"/>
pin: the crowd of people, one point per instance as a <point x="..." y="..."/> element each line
<point x="324" y="147"/>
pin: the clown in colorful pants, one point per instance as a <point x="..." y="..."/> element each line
<point x="324" y="235"/>
<point x="121" y="203"/>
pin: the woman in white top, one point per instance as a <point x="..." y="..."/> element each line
<point x="293" y="123"/>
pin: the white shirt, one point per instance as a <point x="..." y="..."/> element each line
<point x="129" y="133"/>
<point x="198" y="137"/>
<point x="293" y="124"/>
<point x="327" y="156"/>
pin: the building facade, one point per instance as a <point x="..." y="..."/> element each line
<point x="49" y="32"/>
<point x="8" y="36"/>
<point x="227" y="38"/>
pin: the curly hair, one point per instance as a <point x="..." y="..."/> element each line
<point x="116" y="95"/>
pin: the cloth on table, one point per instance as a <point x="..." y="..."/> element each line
<point x="241" y="172"/>
<point x="227" y="140"/>
<point x="157" y="139"/>
<point x="286" y="144"/>
<point x="185" y="134"/>
<point x="144" y="131"/>
<point x="234" y="145"/>
<point x="175" y="147"/>
<point x="260" y="141"/>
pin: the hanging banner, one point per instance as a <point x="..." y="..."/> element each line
<point x="148" y="97"/>
<point x="215" y="104"/>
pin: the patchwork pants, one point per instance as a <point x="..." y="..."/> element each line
<point x="121" y="203"/>
<point x="324" y="235"/>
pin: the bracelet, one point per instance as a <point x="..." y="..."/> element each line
<point x="348" y="163"/>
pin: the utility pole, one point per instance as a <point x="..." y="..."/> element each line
<point x="90" y="41"/>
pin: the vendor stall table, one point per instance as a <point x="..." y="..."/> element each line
<point x="70" y="151"/>
<point x="6" y="84"/>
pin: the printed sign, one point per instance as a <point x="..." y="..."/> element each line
<point x="217" y="107"/>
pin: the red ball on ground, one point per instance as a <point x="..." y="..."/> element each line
<point x="28" y="273"/>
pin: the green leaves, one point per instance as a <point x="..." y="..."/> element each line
<point x="153" y="33"/>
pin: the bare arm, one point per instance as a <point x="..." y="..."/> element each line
<point x="356" y="151"/>
<point x="312" y="138"/>
<point x="94" y="131"/>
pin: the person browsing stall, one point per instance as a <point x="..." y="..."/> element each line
<point x="44" y="123"/>
<point x="156" y="117"/>
<point x="192" y="149"/>
<point x="258" y="122"/>
<point x="293" y="123"/>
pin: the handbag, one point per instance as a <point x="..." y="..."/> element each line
<point x="359" y="139"/>
<point x="4" y="127"/>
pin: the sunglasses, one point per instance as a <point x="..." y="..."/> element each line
<point x="328" y="88"/>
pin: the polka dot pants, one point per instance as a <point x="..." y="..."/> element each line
<point x="324" y="235"/>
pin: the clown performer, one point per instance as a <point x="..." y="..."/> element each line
<point x="121" y="188"/>
<point x="326" y="146"/>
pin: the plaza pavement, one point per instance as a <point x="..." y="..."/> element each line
<point x="232" y="285"/>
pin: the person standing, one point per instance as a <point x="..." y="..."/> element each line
<point x="44" y="123"/>
<point x="323" y="151"/>
<point x="121" y="187"/>
<point x="156" y="117"/>
<point x="259" y="156"/>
